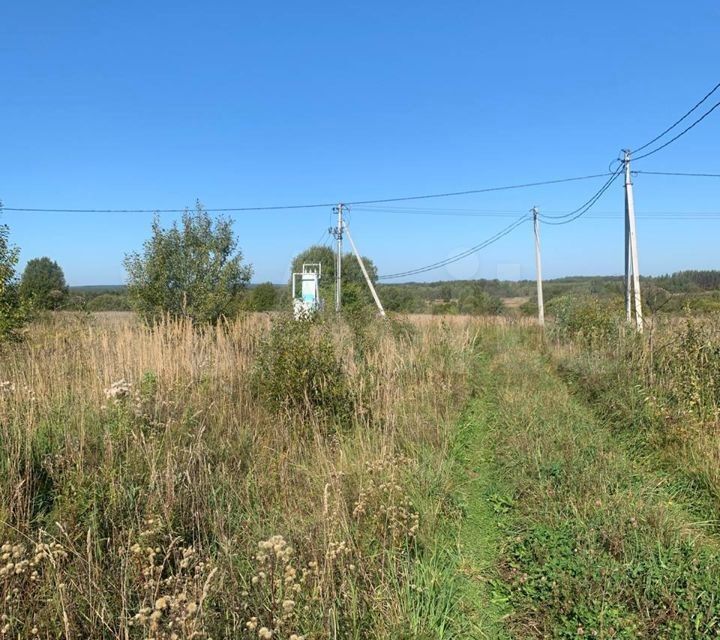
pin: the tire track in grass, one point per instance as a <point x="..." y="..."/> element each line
<point x="484" y="503"/>
<point x="590" y="543"/>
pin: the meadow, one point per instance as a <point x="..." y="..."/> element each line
<point x="421" y="477"/>
<point x="260" y="477"/>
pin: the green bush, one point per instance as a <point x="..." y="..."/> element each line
<point x="529" y="308"/>
<point x="480" y="303"/>
<point x="14" y="312"/>
<point x="109" y="302"/>
<point x="299" y="372"/>
<point x="262" y="297"/>
<point x="587" y="318"/>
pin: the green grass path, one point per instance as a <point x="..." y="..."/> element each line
<point x="564" y="534"/>
<point x="480" y="535"/>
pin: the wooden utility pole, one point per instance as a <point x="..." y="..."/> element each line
<point x="538" y="268"/>
<point x="632" y="270"/>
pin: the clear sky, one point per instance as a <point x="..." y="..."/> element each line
<point x="156" y="104"/>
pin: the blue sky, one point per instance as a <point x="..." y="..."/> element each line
<point x="155" y="105"/>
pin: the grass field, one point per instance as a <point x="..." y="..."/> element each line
<point x="426" y="477"/>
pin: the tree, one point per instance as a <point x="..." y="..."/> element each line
<point x="43" y="284"/>
<point x="354" y="288"/>
<point x="263" y="297"/>
<point x="400" y="298"/>
<point x="192" y="270"/>
<point x="13" y="312"/>
<point x="478" y="302"/>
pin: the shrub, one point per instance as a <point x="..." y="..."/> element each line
<point x="109" y="302"/>
<point x="478" y="303"/>
<point x="13" y="311"/>
<point x="587" y="318"/>
<point x="298" y="371"/>
<point x="263" y="297"/>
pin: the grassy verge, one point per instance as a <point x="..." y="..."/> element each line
<point x="594" y="543"/>
<point x="665" y="433"/>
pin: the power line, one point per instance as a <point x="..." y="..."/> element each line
<point x="679" y="173"/>
<point x="681" y="134"/>
<point x="442" y="263"/>
<point x="214" y="210"/>
<point x="581" y="211"/>
<point x="485" y="190"/>
<point x="596" y="215"/>
<point x="677" y="122"/>
<point x="585" y="207"/>
<point x="322" y="237"/>
<point x="316" y="205"/>
<point x="555" y="220"/>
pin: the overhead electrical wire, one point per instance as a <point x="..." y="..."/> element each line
<point x="677" y="122"/>
<point x="596" y="215"/>
<point x="678" y="173"/>
<point x="475" y="191"/>
<point x="679" y="135"/>
<point x="583" y="210"/>
<point x="555" y="220"/>
<point x="546" y="218"/>
<point x="407" y="198"/>
<point x="586" y="206"/>
<point x="464" y="254"/>
<point x="315" y="205"/>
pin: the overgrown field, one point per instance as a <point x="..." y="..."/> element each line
<point x="430" y="478"/>
<point x="257" y="479"/>
<point x="605" y="450"/>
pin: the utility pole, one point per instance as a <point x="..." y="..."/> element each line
<point x="338" y="231"/>
<point x="632" y="270"/>
<point x="365" y="273"/>
<point x="538" y="268"/>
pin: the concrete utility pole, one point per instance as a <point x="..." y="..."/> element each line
<point x="538" y="268"/>
<point x="365" y="273"/>
<point x="632" y="271"/>
<point x="338" y="265"/>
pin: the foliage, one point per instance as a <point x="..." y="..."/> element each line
<point x="14" y="313"/>
<point x="588" y="318"/>
<point x="597" y="542"/>
<point x="355" y="291"/>
<point x="108" y="302"/>
<point x="400" y="299"/>
<point x="689" y="281"/>
<point x="299" y="372"/>
<point x="192" y="270"/>
<point x="662" y="390"/>
<point x="262" y="297"/>
<point x="43" y="283"/>
<point x="175" y="503"/>
<point x="478" y="302"/>
<point x="98" y="298"/>
<point x="529" y="308"/>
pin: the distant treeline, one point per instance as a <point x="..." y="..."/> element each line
<point x="685" y="290"/>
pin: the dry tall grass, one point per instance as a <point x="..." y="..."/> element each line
<point x="148" y="490"/>
<point x="663" y="389"/>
